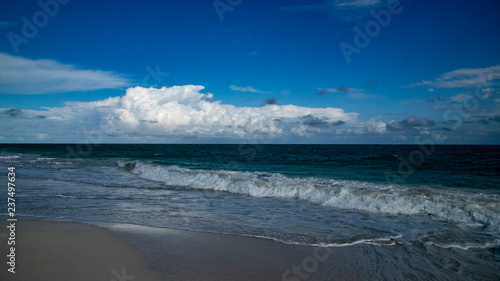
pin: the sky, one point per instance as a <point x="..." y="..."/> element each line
<point x="233" y="71"/>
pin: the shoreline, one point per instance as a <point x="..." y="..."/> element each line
<point x="48" y="250"/>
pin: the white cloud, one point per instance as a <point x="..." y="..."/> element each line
<point x="245" y="89"/>
<point x="351" y="92"/>
<point x="41" y="136"/>
<point x="26" y="76"/>
<point x="185" y="112"/>
<point x="374" y="126"/>
<point x="182" y="113"/>
<point x="460" y="98"/>
<point x="464" y="78"/>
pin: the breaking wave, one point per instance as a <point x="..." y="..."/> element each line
<point x="452" y="205"/>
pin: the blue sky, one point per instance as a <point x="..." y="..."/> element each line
<point x="334" y="71"/>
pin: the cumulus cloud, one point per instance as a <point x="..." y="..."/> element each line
<point x="409" y="123"/>
<point x="317" y="122"/>
<point x="464" y="78"/>
<point x="20" y="75"/>
<point x="245" y="89"/>
<point x="184" y="112"/>
<point x="374" y="126"/>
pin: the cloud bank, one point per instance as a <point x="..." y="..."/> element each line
<point x="26" y="76"/>
<point x="183" y="113"/>
<point x="186" y="114"/>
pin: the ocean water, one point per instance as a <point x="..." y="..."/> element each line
<point x="389" y="196"/>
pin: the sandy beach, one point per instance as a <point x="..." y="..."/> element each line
<point x="55" y="251"/>
<point x="59" y="251"/>
<point x="69" y="251"/>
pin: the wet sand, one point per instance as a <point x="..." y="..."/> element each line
<point x="55" y="251"/>
<point x="124" y="252"/>
<point x="58" y="251"/>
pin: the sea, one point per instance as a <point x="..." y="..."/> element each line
<point x="439" y="204"/>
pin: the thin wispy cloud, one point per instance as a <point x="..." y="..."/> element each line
<point x="343" y="10"/>
<point x="6" y="23"/>
<point x="20" y="75"/>
<point x="325" y="5"/>
<point x="358" y="3"/>
<point x="433" y="99"/>
<point x="340" y="89"/>
<point x="352" y="93"/>
<point x="245" y="89"/>
<point x="464" y="78"/>
<point x="460" y="98"/>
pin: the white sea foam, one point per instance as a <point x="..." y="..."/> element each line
<point x="8" y="157"/>
<point x="453" y="205"/>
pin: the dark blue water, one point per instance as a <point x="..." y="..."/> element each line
<point x="457" y="166"/>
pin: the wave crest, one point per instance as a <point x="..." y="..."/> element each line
<point x="458" y="206"/>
